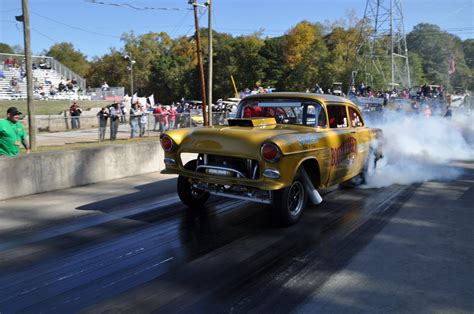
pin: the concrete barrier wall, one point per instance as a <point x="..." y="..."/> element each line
<point x="42" y="172"/>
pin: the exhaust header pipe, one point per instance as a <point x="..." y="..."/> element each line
<point x="313" y="194"/>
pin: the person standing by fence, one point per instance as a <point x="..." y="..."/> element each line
<point x="143" y="120"/>
<point x="12" y="134"/>
<point x="172" y="117"/>
<point x="75" y="113"/>
<point x="164" y="120"/>
<point x="115" y="113"/>
<point x="157" y="112"/>
<point x="134" y="120"/>
<point x="103" y="116"/>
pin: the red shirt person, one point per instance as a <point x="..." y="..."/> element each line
<point x="172" y="117"/>
<point x="253" y="111"/>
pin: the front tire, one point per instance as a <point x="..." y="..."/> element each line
<point x="289" y="203"/>
<point x="189" y="195"/>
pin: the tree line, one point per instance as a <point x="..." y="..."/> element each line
<point x="306" y="54"/>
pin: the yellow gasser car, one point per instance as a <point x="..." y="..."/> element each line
<point x="279" y="150"/>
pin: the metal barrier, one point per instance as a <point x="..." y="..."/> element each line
<point x="111" y="94"/>
<point x="87" y="128"/>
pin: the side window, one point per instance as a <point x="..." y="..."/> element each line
<point x="356" y="119"/>
<point x="315" y="116"/>
<point x="322" y="118"/>
<point x="337" y="116"/>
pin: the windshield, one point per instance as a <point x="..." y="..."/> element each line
<point x="284" y="111"/>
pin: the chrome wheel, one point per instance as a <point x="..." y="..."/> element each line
<point x="197" y="193"/>
<point x="296" y="197"/>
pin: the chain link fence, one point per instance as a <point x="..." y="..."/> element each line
<point x="93" y="128"/>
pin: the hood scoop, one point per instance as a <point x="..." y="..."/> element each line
<point x="251" y="122"/>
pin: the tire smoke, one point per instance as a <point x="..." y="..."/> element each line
<point x="418" y="148"/>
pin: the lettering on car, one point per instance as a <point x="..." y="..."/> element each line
<point x="343" y="152"/>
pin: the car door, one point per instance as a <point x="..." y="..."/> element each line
<point x="341" y="140"/>
<point x="361" y="134"/>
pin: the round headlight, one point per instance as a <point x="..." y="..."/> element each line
<point x="166" y="143"/>
<point x="270" y="152"/>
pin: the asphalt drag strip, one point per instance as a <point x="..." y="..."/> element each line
<point x="156" y="255"/>
<point x="248" y="273"/>
<point x="99" y="257"/>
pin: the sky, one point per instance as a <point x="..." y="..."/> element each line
<point x="95" y="28"/>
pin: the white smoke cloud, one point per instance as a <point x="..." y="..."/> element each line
<point x="419" y="149"/>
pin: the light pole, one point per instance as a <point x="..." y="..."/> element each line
<point x="130" y="67"/>
<point x="199" y="60"/>
<point x="209" y="79"/>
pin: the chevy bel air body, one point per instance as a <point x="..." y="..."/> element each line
<point x="279" y="150"/>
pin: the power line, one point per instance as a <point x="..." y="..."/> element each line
<point x="200" y="15"/>
<point x="19" y="28"/>
<point x="10" y="10"/>
<point x="44" y="35"/>
<point x="76" y="27"/>
<point x="126" y="5"/>
<point x="181" y="22"/>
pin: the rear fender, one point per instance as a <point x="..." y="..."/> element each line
<point x="312" y="168"/>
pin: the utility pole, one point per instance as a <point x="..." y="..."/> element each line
<point x="209" y="80"/>
<point x="200" y="64"/>
<point x="29" y="76"/>
<point x="132" y="62"/>
<point x="131" y="76"/>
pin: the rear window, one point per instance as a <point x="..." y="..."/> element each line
<point x="285" y="111"/>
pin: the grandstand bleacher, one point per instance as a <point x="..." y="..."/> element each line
<point x="47" y="74"/>
<point x="46" y="82"/>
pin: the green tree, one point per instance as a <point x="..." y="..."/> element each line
<point x="468" y="48"/>
<point x="305" y="51"/>
<point x="307" y="54"/>
<point x="5" y="48"/>
<point x="247" y="64"/>
<point x="416" y="69"/>
<point x="275" y="62"/>
<point x="341" y="44"/>
<point x="436" y="47"/>
<point x="111" y="68"/>
<point x="70" y="57"/>
<point x="169" y="74"/>
<point x="224" y="65"/>
<point x="145" y="50"/>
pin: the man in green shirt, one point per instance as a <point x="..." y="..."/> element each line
<point x="12" y="134"/>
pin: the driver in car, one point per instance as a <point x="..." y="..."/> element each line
<point x="253" y="111"/>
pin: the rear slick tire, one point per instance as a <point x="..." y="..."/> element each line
<point x="289" y="203"/>
<point x="369" y="167"/>
<point x="189" y="195"/>
<point x="370" y="164"/>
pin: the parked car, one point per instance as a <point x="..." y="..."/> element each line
<point x="279" y="150"/>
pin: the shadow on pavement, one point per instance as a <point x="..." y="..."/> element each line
<point x="144" y="192"/>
